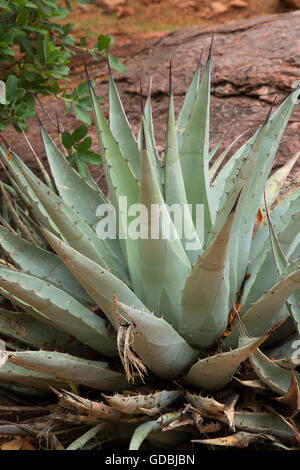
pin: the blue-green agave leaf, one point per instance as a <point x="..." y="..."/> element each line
<point x="17" y="376"/>
<point x="174" y="187"/>
<point x="194" y="151"/>
<point x="255" y="172"/>
<point x="277" y="378"/>
<point x="98" y="282"/>
<point x="28" y="330"/>
<point x="121" y="129"/>
<point x="159" y="346"/>
<point x="163" y="262"/>
<point x="61" y="308"/>
<point x="215" y="372"/>
<point x="144" y="429"/>
<point x="94" y="374"/>
<point x="186" y="109"/>
<point x="276" y="181"/>
<point x="41" y="263"/>
<point x="205" y="297"/>
<point x="263" y="422"/>
<point x="266" y="311"/>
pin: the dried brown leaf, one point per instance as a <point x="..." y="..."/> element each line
<point x="240" y="440"/>
<point x="77" y="410"/>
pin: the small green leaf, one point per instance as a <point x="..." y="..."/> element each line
<point x="79" y="133"/>
<point x="67" y="139"/>
<point x="83" y="41"/>
<point x="82" y="168"/>
<point x="103" y="42"/>
<point x="11" y="85"/>
<point x="115" y="64"/>
<point x="81" y="113"/>
<point x="85" y="144"/>
<point x="90" y="157"/>
<point x="83" y="89"/>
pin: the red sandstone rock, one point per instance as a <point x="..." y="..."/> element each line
<point x="252" y="61"/>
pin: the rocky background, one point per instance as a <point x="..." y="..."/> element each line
<point x="253" y="61"/>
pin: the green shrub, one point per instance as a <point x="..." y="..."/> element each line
<point x="35" y="53"/>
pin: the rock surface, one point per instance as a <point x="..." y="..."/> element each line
<point x="292" y="3"/>
<point x="110" y="4"/>
<point x="253" y="60"/>
<point x="238" y="3"/>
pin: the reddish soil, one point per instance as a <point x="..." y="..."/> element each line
<point x="140" y="19"/>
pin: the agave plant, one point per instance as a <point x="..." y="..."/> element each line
<point x="167" y="311"/>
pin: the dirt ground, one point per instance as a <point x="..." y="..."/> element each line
<point x="137" y="20"/>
